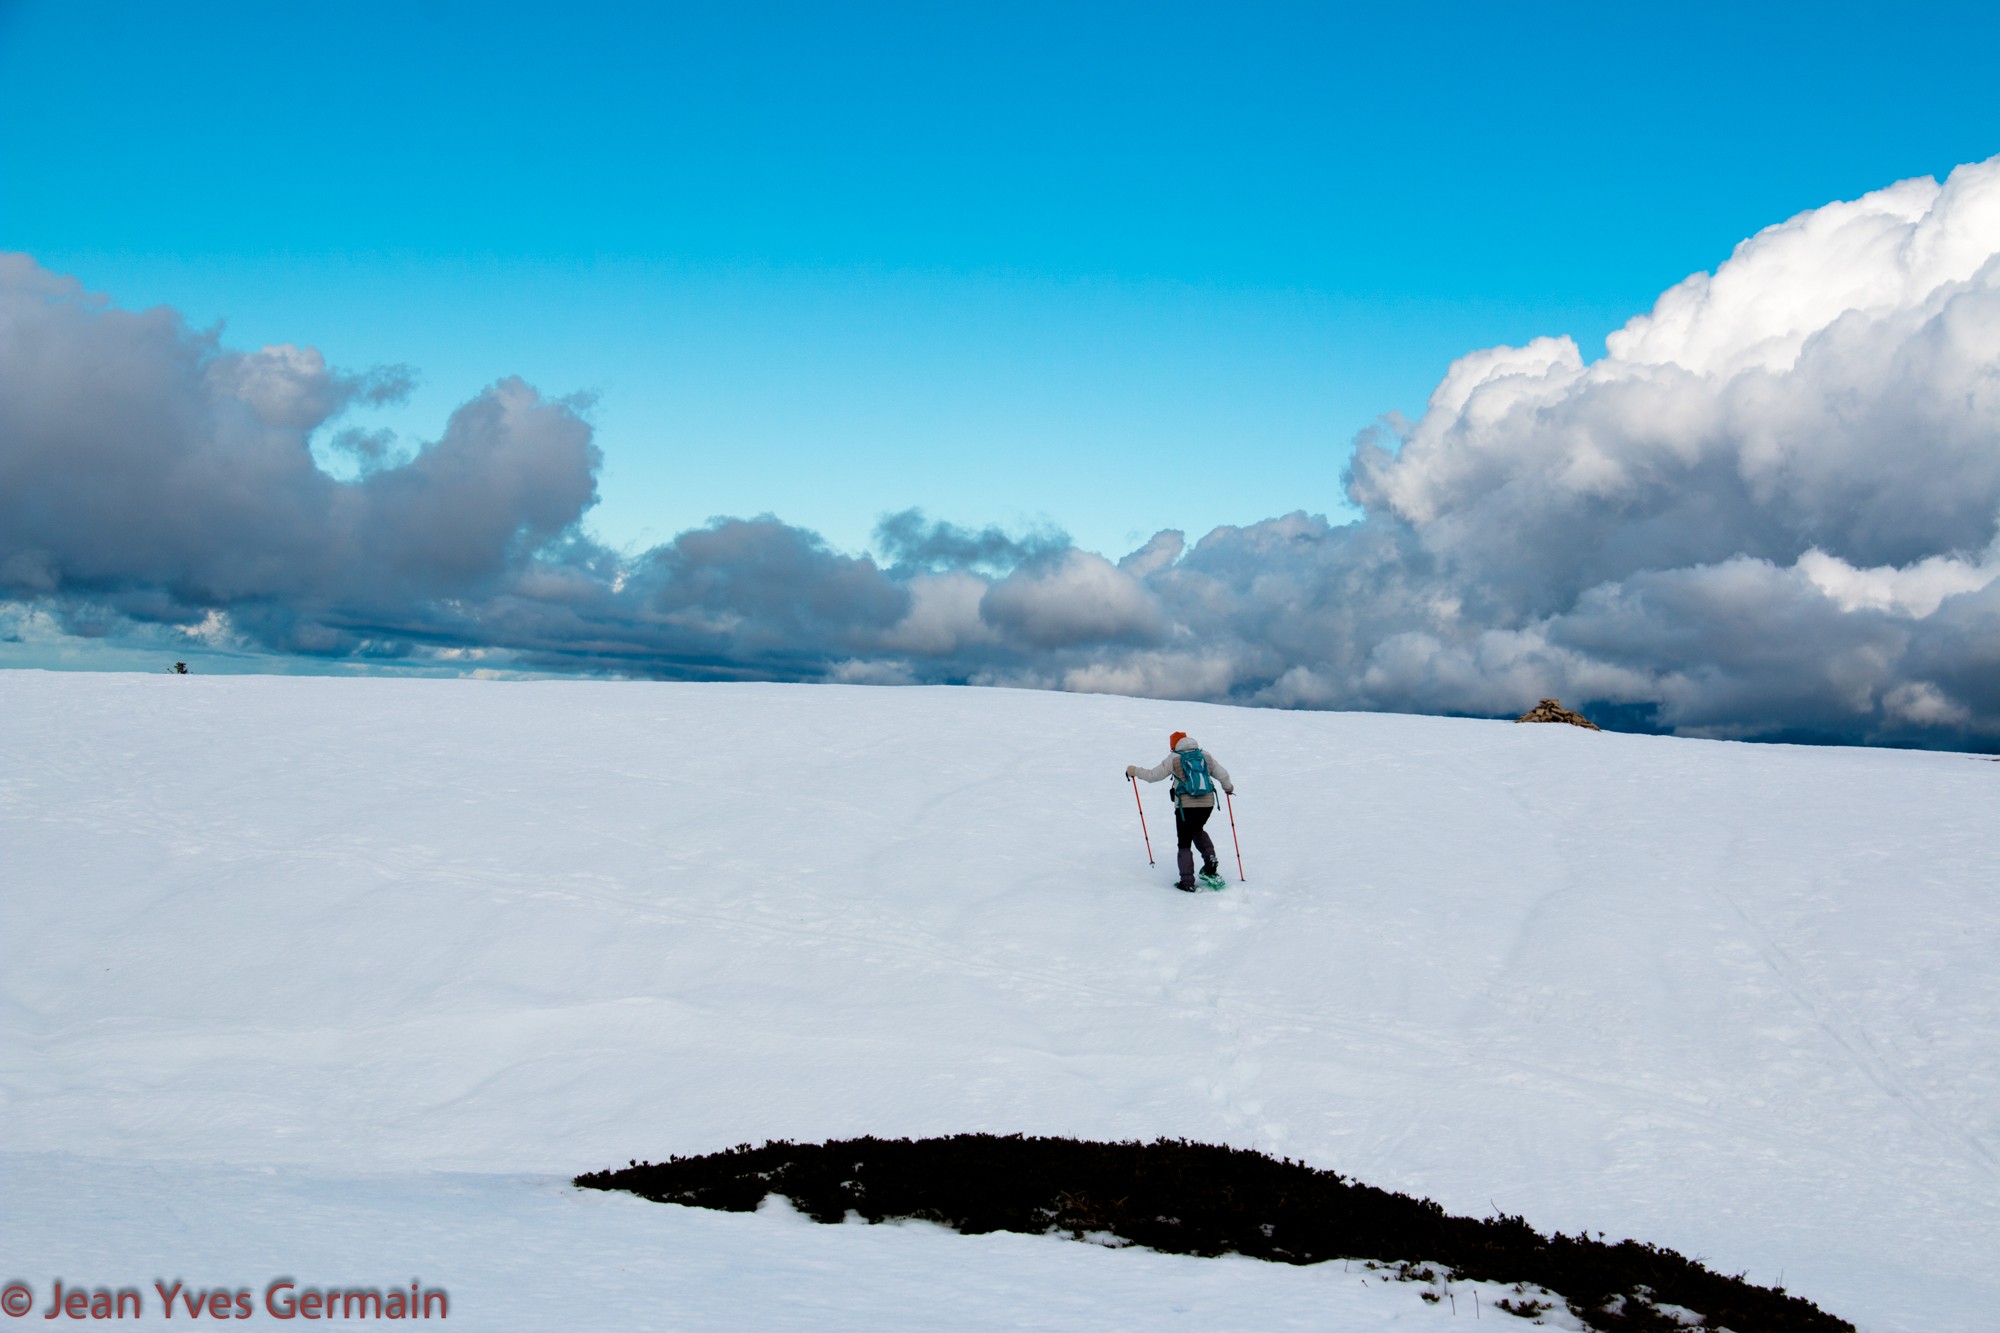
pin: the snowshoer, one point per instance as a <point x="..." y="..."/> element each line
<point x="1196" y="774"/>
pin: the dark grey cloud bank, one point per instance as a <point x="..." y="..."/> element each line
<point x="1769" y="511"/>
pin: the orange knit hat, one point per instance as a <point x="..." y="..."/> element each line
<point x="1176" y="739"/>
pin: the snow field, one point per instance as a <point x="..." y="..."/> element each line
<point x="531" y="1253"/>
<point x="353" y="951"/>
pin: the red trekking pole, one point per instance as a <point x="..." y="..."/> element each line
<point x="1142" y="825"/>
<point x="1231" y="803"/>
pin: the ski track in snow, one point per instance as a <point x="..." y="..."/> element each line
<point x="270" y="942"/>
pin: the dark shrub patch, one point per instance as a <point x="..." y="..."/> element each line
<point x="1195" y="1198"/>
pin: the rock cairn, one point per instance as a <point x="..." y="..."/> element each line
<point x="1552" y="710"/>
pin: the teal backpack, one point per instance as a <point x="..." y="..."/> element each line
<point x="1195" y="780"/>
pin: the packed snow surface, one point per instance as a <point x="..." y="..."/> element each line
<point x="342" y="979"/>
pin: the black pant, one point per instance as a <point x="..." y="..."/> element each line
<point x="1187" y="828"/>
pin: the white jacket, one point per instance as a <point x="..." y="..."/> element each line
<point x="1171" y="767"/>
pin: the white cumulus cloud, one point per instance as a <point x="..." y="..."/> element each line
<point x="1769" y="510"/>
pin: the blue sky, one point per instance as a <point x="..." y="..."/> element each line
<point x="1097" y="306"/>
<point x="1112" y="268"/>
